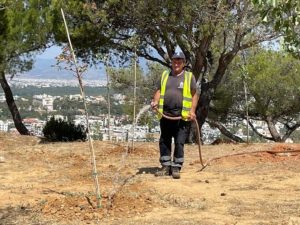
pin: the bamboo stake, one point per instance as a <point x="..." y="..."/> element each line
<point x="134" y="102"/>
<point x="247" y="115"/>
<point x="244" y="74"/>
<point x="108" y="98"/>
<point x="93" y="158"/>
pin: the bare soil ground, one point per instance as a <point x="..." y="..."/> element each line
<point x="51" y="183"/>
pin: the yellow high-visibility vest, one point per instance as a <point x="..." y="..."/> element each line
<point x="186" y="94"/>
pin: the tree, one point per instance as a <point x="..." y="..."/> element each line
<point x="286" y="19"/>
<point x="23" y="30"/>
<point x="205" y="31"/>
<point x="273" y="87"/>
<point x="122" y="81"/>
<point x="59" y="130"/>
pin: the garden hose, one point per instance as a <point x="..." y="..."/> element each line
<point x="198" y="132"/>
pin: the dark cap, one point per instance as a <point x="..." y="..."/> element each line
<point x="178" y="55"/>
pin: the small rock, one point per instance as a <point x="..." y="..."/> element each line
<point x="2" y="159"/>
<point x="207" y="181"/>
<point x="223" y="194"/>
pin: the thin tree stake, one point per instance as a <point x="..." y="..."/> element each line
<point x="93" y="158"/>
<point x="244" y="74"/>
<point x="134" y="101"/>
<point x="108" y="98"/>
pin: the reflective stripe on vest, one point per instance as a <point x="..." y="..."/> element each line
<point x="187" y="96"/>
<point x="186" y="93"/>
<point x="163" y="84"/>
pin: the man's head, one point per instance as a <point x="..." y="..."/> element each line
<point x="178" y="62"/>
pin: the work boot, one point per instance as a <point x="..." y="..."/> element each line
<point x="164" y="171"/>
<point x="176" y="172"/>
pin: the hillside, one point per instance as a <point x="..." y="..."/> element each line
<point x="51" y="183"/>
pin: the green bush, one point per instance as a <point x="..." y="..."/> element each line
<point x="59" y="130"/>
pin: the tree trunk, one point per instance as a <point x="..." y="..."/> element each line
<point x="259" y="134"/>
<point x="12" y="106"/>
<point x="273" y="131"/>
<point x="224" y="131"/>
<point x="203" y="103"/>
<point x="208" y="88"/>
<point x="289" y="131"/>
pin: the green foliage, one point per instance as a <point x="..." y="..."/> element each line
<point x="4" y="112"/>
<point x="154" y="29"/>
<point x="284" y="16"/>
<point x="29" y="91"/>
<point x="59" y="130"/>
<point x="296" y="136"/>
<point x="152" y="78"/>
<point x="272" y="80"/>
<point x="87" y="26"/>
<point x="25" y="27"/>
<point x="122" y="81"/>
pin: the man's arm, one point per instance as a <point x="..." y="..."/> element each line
<point x="155" y="100"/>
<point x="192" y="115"/>
<point x="195" y="97"/>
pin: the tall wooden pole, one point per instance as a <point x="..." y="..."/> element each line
<point x="108" y="99"/>
<point x="244" y="75"/>
<point x="93" y="158"/>
<point x="134" y="100"/>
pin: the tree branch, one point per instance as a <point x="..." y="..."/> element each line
<point x="290" y="130"/>
<point x="273" y="130"/>
<point x="259" y="134"/>
<point x="149" y="57"/>
<point x="257" y="41"/>
<point x="224" y="131"/>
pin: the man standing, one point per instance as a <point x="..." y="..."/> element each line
<point x="175" y="97"/>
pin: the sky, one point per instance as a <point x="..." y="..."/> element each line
<point x="50" y="53"/>
<point x="44" y="68"/>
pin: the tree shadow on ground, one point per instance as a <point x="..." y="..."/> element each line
<point x="18" y="215"/>
<point x="147" y="170"/>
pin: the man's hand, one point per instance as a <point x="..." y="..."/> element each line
<point x="192" y="115"/>
<point x="154" y="105"/>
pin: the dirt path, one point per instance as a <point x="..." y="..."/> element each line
<point x="52" y="184"/>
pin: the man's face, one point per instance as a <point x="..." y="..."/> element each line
<point x="177" y="65"/>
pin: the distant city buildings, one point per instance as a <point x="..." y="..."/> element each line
<point x="43" y="102"/>
<point x="118" y="129"/>
<point x="58" y="117"/>
<point x="3" y="126"/>
<point x="34" y="125"/>
<point x="2" y="97"/>
<point x="21" y="82"/>
<point x="119" y="98"/>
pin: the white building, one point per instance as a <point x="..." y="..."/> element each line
<point x="34" y="125"/>
<point x="119" y="98"/>
<point x="3" y="126"/>
<point x="58" y="117"/>
<point x="2" y="97"/>
<point x="76" y="97"/>
<point x="43" y="102"/>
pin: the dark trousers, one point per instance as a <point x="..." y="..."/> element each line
<point x="179" y="130"/>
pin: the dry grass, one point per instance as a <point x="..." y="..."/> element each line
<point x="51" y="183"/>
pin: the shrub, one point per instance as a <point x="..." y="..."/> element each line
<point x="59" y="130"/>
